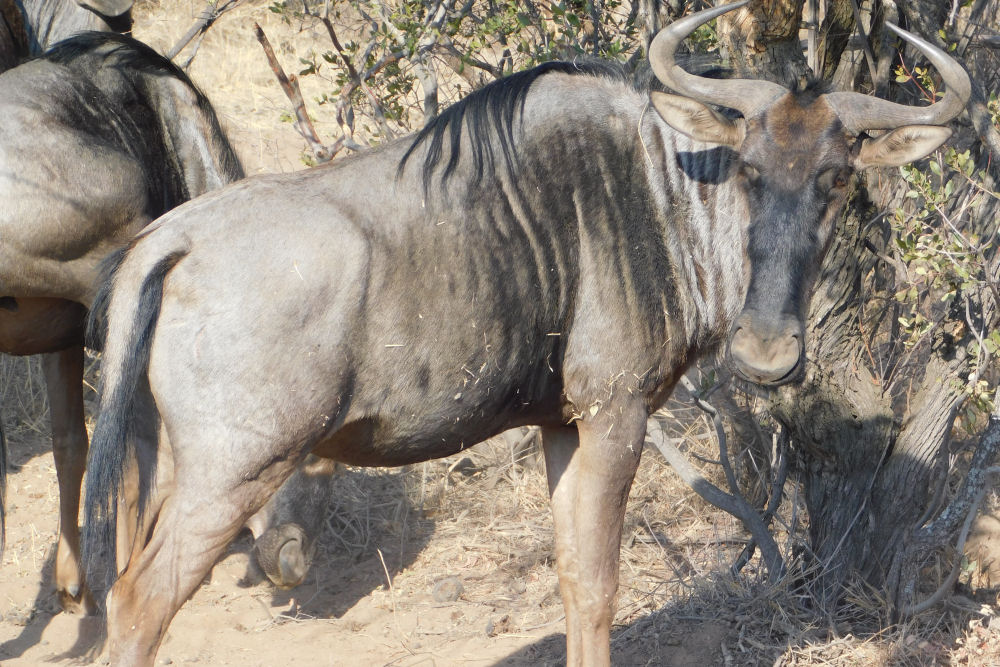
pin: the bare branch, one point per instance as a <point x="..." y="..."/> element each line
<point x="959" y="512"/>
<point x="985" y="454"/>
<point x="328" y="24"/>
<point x="869" y="56"/>
<point x="205" y="19"/>
<point x="421" y="65"/>
<point x="303" y="124"/>
<point x="732" y="503"/>
<point x="949" y="581"/>
<point x="988" y="41"/>
<point x="457" y="61"/>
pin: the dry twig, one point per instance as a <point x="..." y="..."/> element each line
<point x="290" y="84"/>
<point x="201" y="25"/>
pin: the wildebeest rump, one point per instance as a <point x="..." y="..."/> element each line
<point x="28" y="27"/>
<point x="99" y="136"/>
<point x="553" y="250"/>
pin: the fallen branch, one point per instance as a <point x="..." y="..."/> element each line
<point x="733" y="503"/>
<point x="303" y="124"/>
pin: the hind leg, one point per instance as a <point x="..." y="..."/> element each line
<point x="210" y="500"/>
<point x="287" y="528"/>
<point x="64" y="383"/>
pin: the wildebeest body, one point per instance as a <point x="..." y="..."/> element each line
<point x="553" y="250"/>
<point x="427" y="325"/>
<point x="104" y="184"/>
<point x="393" y="327"/>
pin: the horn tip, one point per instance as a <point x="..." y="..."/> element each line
<point x="896" y="29"/>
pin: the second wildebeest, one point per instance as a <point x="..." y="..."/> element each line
<point x="99" y="136"/>
<point x="29" y="27"/>
<point x="554" y="250"/>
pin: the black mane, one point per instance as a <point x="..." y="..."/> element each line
<point x="125" y="51"/>
<point x="489" y="115"/>
<point x="88" y="52"/>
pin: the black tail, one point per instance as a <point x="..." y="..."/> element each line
<point x="124" y="365"/>
<point x="97" y="319"/>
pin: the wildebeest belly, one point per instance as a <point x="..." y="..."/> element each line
<point x="38" y="326"/>
<point x="449" y="347"/>
<point x="366" y="348"/>
<point x="410" y="427"/>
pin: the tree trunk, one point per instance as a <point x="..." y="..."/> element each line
<point x="762" y="41"/>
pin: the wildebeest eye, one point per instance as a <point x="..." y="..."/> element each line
<point x="833" y="179"/>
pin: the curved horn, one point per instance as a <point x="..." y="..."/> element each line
<point x="745" y="95"/>
<point x="862" y="112"/>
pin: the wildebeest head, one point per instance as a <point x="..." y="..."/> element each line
<point x="797" y="151"/>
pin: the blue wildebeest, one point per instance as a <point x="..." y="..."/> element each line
<point x="99" y="136"/>
<point x="554" y="250"/>
<point x="28" y="27"/>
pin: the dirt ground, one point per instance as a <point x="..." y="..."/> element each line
<point x="445" y="563"/>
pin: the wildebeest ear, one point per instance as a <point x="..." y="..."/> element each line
<point x="109" y="8"/>
<point x="903" y="145"/>
<point x="697" y="120"/>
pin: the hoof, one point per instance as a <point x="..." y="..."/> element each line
<point x="284" y="554"/>
<point x="77" y="600"/>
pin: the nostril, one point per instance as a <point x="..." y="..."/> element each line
<point x="765" y="357"/>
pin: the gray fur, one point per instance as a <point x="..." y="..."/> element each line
<point x="29" y="27"/>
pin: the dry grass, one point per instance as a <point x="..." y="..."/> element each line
<point x="22" y="396"/>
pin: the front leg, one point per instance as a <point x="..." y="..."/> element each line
<point x="590" y="473"/>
